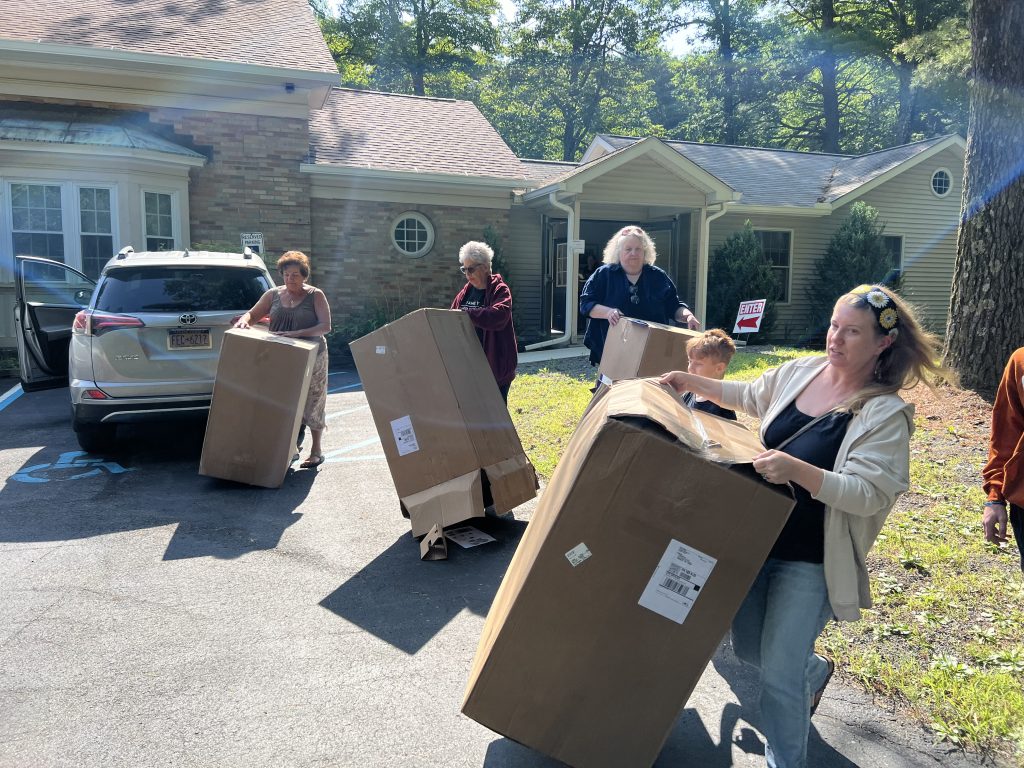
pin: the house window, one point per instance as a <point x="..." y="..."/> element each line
<point x="159" y="221"/>
<point x="96" y="230"/>
<point x="412" y="234"/>
<point x="941" y="182"/>
<point x="777" y="248"/>
<point x="37" y="220"/>
<point x="893" y="246"/>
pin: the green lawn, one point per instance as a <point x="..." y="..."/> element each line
<point x="945" y="640"/>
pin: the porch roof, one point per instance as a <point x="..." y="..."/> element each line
<point x="58" y="124"/>
<point x="782" y="177"/>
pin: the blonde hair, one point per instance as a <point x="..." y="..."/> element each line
<point x="714" y="343"/>
<point x="911" y="359"/>
<point x="613" y="250"/>
<point x="480" y="253"/>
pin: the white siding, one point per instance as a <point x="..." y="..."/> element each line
<point x="642" y="182"/>
<point x="928" y="225"/>
<point x="908" y="208"/>
<point x="523" y="248"/>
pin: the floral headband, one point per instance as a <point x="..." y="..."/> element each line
<point x="881" y="304"/>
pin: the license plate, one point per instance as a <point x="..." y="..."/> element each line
<point x="188" y="338"/>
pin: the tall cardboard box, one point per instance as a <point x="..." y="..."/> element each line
<point x="641" y="550"/>
<point x="258" y="398"/>
<point x="638" y="348"/>
<point x="441" y="419"/>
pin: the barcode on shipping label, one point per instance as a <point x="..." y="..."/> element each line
<point x="381" y="349"/>
<point x="677" y="582"/>
<point x="577" y="554"/>
<point x="405" y="436"/>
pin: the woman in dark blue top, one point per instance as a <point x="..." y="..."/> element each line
<point x="629" y="285"/>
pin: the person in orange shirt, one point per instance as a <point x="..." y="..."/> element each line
<point x="1004" y="472"/>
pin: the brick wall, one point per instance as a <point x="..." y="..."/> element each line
<point x="360" y="270"/>
<point x="252" y="182"/>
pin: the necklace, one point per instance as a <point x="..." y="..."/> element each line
<point x="289" y="302"/>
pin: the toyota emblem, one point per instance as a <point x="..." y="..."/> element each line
<point x="188" y="319"/>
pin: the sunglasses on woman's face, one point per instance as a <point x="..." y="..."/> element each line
<point x="470" y="270"/>
<point x="633" y="294"/>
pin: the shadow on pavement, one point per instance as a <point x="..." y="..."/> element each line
<point x="60" y="493"/>
<point x="405" y="601"/>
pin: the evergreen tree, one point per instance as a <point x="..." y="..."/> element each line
<point x="738" y="271"/>
<point x="855" y="255"/>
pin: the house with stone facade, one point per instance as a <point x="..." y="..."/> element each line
<point x="163" y="124"/>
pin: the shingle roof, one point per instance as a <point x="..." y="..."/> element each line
<point x="82" y="126"/>
<point x="780" y="177"/>
<point x="392" y="132"/>
<point x="542" y="171"/>
<point x="274" y="33"/>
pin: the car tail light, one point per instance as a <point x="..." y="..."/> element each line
<point x="95" y="394"/>
<point x="93" y="323"/>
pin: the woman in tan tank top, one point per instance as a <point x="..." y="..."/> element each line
<point x="300" y="311"/>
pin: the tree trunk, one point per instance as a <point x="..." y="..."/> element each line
<point x="829" y="75"/>
<point x="986" y="316"/>
<point x="730" y="128"/>
<point x="907" y="99"/>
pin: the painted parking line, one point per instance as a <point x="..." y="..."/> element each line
<point x="332" y="390"/>
<point x="10" y="396"/>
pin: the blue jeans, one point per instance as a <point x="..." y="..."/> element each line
<point x="774" y="630"/>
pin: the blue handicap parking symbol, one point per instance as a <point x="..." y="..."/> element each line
<point x="73" y="465"/>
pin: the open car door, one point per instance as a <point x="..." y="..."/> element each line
<point x="48" y="295"/>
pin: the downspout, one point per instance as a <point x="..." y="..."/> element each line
<point x="572" y="234"/>
<point x="702" y="260"/>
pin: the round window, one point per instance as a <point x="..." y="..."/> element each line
<point x="412" y="234"/>
<point x="941" y="182"/>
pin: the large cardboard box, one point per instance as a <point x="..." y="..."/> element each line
<point x="441" y="419"/>
<point x="258" y="398"/>
<point x="642" y="548"/>
<point x="638" y="348"/>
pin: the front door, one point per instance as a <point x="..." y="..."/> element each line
<point x="48" y="295"/>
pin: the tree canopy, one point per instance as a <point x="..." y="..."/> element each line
<point x="847" y="76"/>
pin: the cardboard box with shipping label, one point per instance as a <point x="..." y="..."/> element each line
<point x="445" y="430"/>
<point x="638" y="348"/>
<point x="642" y="548"/>
<point x="256" y="411"/>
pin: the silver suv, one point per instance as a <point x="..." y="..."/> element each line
<point x="139" y="345"/>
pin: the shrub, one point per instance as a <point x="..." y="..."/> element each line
<point x="855" y="255"/>
<point x="738" y="271"/>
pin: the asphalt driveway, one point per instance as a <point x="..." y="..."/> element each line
<point x="150" y="616"/>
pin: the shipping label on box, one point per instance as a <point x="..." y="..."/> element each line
<point x="677" y="581"/>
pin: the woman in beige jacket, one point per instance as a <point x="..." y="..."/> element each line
<point x="838" y="434"/>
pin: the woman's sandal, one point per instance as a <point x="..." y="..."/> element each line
<point x="313" y="462"/>
<point x="828" y="676"/>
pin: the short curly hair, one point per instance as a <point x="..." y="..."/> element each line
<point x="294" y="259"/>
<point x="477" y="252"/>
<point x="613" y="250"/>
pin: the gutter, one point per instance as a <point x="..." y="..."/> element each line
<point x="702" y="260"/>
<point x="572" y="235"/>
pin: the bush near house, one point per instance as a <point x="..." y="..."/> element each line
<point x="855" y="255"/>
<point x="738" y="271"/>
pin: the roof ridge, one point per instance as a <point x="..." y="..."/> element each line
<point x="729" y="146"/>
<point x="400" y="95"/>
<point x="933" y="139"/>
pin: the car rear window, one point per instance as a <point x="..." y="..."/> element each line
<point x="178" y="289"/>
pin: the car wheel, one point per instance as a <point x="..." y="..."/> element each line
<point x="96" y="438"/>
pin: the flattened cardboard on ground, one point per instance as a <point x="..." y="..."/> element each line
<point x="441" y="419"/>
<point x="638" y="348"/>
<point x="627" y="578"/>
<point x="256" y="411"/>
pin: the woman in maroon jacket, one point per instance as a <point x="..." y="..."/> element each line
<point x="488" y="302"/>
